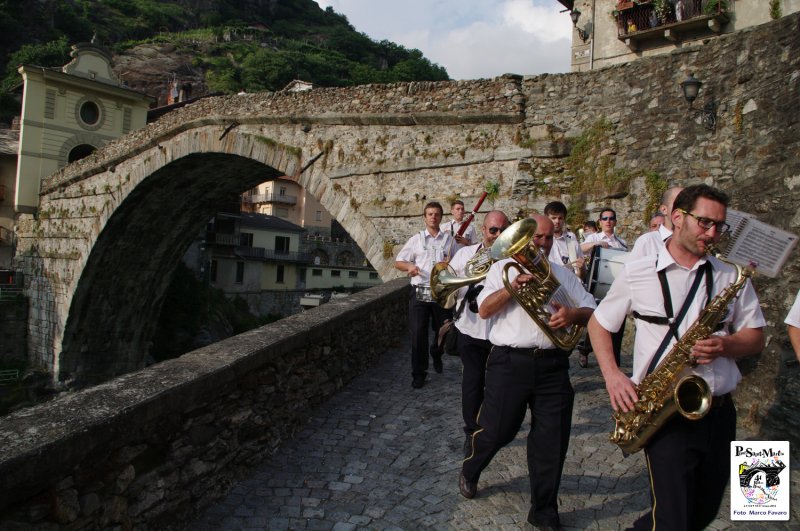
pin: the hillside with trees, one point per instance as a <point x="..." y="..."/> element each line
<point x="217" y="45"/>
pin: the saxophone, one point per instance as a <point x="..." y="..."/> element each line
<point x="665" y="391"/>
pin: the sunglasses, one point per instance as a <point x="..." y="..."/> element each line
<point x="495" y="230"/>
<point x="707" y="223"/>
<point x="608" y="218"/>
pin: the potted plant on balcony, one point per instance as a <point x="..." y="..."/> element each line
<point x="713" y="7"/>
<point x="662" y="9"/>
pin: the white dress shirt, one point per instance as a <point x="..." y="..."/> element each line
<point x="651" y="242"/>
<point x="453" y="226"/>
<point x="425" y="251"/>
<point x="793" y="318"/>
<point x="613" y="241"/>
<point x="565" y="250"/>
<point x="637" y="288"/>
<point x="469" y="322"/>
<point x="512" y="326"/>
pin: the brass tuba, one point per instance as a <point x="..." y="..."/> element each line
<point x="445" y="283"/>
<point x="535" y="297"/>
<point x="668" y="390"/>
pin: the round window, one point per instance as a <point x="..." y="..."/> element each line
<point x="90" y="113"/>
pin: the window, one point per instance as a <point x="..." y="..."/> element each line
<point x="246" y="239"/>
<point x="282" y="191"/>
<point x="336" y="273"/>
<point x="279" y="276"/>
<point x="239" y="272"/>
<point x="282" y="212"/>
<point x="90" y="113"/>
<point x="352" y="274"/>
<point x="281" y="244"/>
<point x="316" y="272"/>
<point x="373" y="276"/>
<point x="213" y="270"/>
<point x="318" y="216"/>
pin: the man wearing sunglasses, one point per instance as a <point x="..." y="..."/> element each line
<point x="688" y="460"/>
<point x="606" y="237"/>
<point x="473" y="332"/>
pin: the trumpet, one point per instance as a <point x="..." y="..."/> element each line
<point x="535" y="297"/>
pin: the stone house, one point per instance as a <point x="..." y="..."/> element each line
<point x="608" y="32"/>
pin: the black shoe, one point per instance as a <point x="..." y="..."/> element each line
<point x="418" y="382"/>
<point x="468" y="489"/>
<point x="437" y="363"/>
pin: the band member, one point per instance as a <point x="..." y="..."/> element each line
<point x="792" y="323"/>
<point x="417" y="257"/>
<point x="525" y="369"/>
<point x="653" y="242"/>
<point x="473" y="337"/>
<point x="688" y="460"/>
<point x="656" y="221"/>
<point x="607" y="237"/>
<point x="457" y="210"/>
<point x="566" y="248"/>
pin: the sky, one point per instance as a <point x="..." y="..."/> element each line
<point x="471" y="39"/>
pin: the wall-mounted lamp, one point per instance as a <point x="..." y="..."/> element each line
<point x="582" y="33"/>
<point x="691" y="89"/>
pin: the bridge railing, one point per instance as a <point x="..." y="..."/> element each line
<point x="147" y="449"/>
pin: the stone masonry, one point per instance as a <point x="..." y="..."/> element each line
<point x="111" y="227"/>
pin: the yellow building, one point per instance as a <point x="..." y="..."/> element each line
<point x="9" y="145"/>
<point x="67" y="114"/>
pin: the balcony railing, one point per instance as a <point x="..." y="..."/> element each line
<point x="260" y="253"/>
<point x="269" y="198"/>
<point x="219" y="238"/>
<point x="639" y="21"/>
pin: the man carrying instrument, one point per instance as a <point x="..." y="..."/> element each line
<point x="688" y="460"/>
<point x="566" y="249"/>
<point x="417" y="257"/>
<point x="607" y="236"/>
<point x="457" y="210"/>
<point x="473" y="336"/>
<point x="525" y="369"/>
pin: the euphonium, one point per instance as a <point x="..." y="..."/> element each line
<point x="535" y="297"/>
<point x="445" y="283"/>
<point x="667" y="390"/>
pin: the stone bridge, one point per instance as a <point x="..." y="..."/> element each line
<point x="111" y="228"/>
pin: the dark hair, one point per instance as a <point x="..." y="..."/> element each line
<point x="457" y="202"/>
<point x="607" y="209"/>
<point x="433" y="204"/>
<point x="657" y="215"/>
<point x="591" y="224"/>
<point x="555" y="207"/>
<point x="687" y="199"/>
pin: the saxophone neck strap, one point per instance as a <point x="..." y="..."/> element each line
<point x="703" y="272"/>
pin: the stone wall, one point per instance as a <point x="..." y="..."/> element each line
<point x="144" y="449"/>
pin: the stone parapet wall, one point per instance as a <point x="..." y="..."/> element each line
<point x="142" y="450"/>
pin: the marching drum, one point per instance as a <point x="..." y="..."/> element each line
<point x="604" y="267"/>
<point x="424" y="293"/>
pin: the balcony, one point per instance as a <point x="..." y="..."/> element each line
<point x="256" y="199"/>
<point x="219" y="238"/>
<point x="260" y="253"/>
<point x="638" y="21"/>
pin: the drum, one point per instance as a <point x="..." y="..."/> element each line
<point x="605" y="265"/>
<point x="424" y="293"/>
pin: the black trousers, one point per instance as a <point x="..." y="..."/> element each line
<point x="689" y="466"/>
<point x="515" y="382"/>
<point x="474" y="353"/>
<point x="616" y="343"/>
<point x="424" y="317"/>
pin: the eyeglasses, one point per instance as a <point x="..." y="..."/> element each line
<point x="608" y="218"/>
<point x="707" y="223"/>
<point x="495" y="230"/>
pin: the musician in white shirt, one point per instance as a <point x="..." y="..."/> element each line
<point x="793" y="326"/>
<point x="417" y="257"/>
<point x="606" y="237"/>
<point x="685" y="457"/>
<point x="652" y="242"/>
<point x="473" y="337"/>
<point x="457" y="210"/>
<point x="566" y="249"/>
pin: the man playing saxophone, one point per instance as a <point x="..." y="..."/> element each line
<point x="525" y="370"/>
<point x="473" y="332"/>
<point x="688" y="460"/>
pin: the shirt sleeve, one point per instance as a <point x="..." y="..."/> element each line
<point x="407" y="253"/>
<point x="793" y="318"/>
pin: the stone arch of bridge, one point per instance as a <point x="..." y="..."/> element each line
<point x="166" y="199"/>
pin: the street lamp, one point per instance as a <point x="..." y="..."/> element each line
<point x="691" y="89"/>
<point x="582" y="33"/>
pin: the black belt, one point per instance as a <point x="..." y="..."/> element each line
<point x="721" y="400"/>
<point x="537" y="352"/>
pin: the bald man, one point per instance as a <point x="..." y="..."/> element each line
<point x="525" y="369"/>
